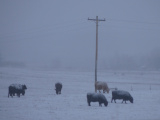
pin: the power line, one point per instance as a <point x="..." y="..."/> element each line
<point x="46" y="28"/>
<point x="132" y="21"/>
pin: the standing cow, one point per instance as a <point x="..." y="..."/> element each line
<point x="101" y="86"/>
<point x="58" y="88"/>
<point x="120" y="94"/>
<point x="16" y="89"/>
<point x="96" y="97"/>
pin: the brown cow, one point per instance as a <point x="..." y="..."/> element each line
<point x="101" y="86"/>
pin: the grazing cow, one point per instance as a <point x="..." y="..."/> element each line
<point x="16" y="89"/>
<point x="96" y="97"/>
<point x="120" y="94"/>
<point x="101" y="86"/>
<point x="58" y="88"/>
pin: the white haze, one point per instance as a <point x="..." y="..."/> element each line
<point x="57" y="34"/>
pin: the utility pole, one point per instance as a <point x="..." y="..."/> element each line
<point x="96" y="59"/>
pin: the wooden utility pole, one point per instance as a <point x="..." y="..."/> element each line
<point x="96" y="59"/>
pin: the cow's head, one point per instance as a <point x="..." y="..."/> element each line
<point x="58" y="91"/>
<point x="131" y="99"/>
<point x="24" y="87"/>
<point x="106" y="103"/>
<point x="107" y="90"/>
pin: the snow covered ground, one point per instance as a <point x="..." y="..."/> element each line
<point x="41" y="103"/>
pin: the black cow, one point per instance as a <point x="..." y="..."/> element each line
<point x="16" y="89"/>
<point x="120" y="94"/>
<point x="96" y="97"/>
<point x="58" y="88"/>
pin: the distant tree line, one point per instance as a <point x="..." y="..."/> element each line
<point x="126" y="62"/>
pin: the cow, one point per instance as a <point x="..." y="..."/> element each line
<point x="96" y="97"/>
<point x="58" y="88"/>
<point x="120" y="94"/>
<point x="16" y="89"/>
<point x="101" y="86"/>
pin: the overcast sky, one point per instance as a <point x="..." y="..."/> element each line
<point x="54" y="32"/>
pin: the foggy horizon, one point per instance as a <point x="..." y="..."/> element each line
<point x="58" y="34"/>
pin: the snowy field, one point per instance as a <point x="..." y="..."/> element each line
<point x="41" y="103"/>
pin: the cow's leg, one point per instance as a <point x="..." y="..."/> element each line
<point x="111" y="100"/>
<point x="56" y="91"/>
<point x="122" y="101"/>
<point x="100" y="104"/>
<point x="11" y="94"/>
<point x="99" y="91"/>
<point x="89" y="103"/>
<point x="103" y="91"/>
<point x="18" y="94"/>
<point x="95" y="90"/>
<point x="115" y="100"/>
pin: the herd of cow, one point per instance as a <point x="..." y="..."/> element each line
<point x="91" y="97"/>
